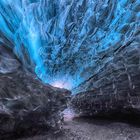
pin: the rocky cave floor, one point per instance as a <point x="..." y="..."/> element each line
<point x="83" y="128"/>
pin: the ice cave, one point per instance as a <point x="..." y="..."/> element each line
<point x="69" y="69"/>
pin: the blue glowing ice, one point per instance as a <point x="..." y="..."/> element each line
<point x="61" y="39"/>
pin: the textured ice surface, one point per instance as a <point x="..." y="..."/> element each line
<point x="61" y="39"/>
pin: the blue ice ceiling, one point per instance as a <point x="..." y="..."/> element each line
<point x="62" y="40"/>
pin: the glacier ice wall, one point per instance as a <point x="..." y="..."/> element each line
<point x="64" y="41"/>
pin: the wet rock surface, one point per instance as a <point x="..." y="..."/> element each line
<point x="27" y="106"/>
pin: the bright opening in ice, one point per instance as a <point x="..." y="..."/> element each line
<point x="61" y="84"/>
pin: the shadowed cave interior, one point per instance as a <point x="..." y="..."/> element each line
<point x="69" y="69"/>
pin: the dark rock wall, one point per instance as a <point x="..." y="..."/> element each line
<point x="116" y="87"/>
<point x="27" y="106"/>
